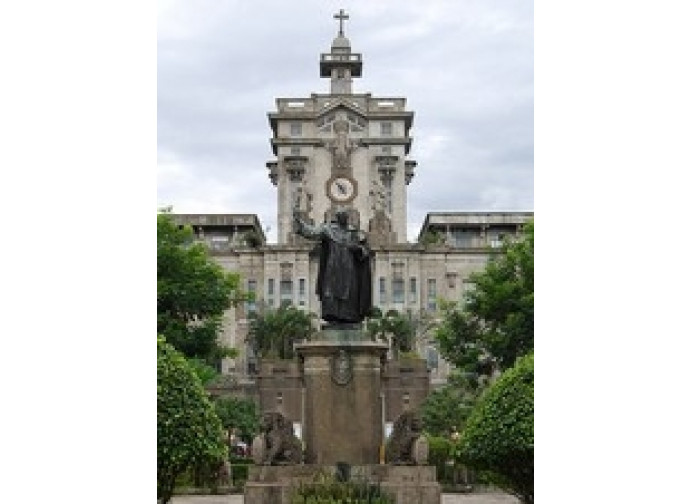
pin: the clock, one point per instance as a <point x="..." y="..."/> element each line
<point x="341" y="189"/>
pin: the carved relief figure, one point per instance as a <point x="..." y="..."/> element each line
<point x="342" y="146"/>
<point x="377" y="193"/>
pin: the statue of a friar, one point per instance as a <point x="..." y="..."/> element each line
<point x="343" y="283"/>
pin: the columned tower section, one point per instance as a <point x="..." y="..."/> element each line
<point x="342" y="150"/>
<point x="341" y="64"/>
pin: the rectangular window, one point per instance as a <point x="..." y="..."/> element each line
<point x="302" y="291"/>
<point x="431" y="294"/>
<point x="285" y="292"/>
<point x="463" y="237"/>
<point x="270" y="295"/>
<point x="496" y="240"/>
<point x="413" y="290"/>
<point x="219" y="242"/>
<point x="398" y="288"/>
<point x="467" y="287"/>
<point x="294" y="151"/>
<point x="295" y="129"/>
<point x="386" y="129"/>
<point x="382" y="290"/>
<point x="431" y="358"/>
<point x="251" y="289"/>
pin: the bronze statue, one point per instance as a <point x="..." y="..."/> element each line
<point x="343" y="283"/>
<point x="407" y="429"/>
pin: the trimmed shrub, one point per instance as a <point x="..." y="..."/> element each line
<point x="189" y="432"/>
<point x="499" y="434"/>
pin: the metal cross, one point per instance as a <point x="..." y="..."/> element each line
<point x="341" y="16"/>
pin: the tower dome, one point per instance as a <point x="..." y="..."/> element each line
<point x="340" y="44"/>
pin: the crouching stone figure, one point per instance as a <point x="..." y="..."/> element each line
<point x="407" y="445"/>
<point x="277" y="443"/>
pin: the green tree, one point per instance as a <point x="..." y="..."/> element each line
<point x="499" y="434"/>
<point x="450" y="406"/>
<point x="240" y="414"/>
<point x="252" y="238"/>
<point x="396" y="328"/>
<point x="189" y="432"/>
<point x="496" y="324"/>
<point x="272" y="333"/>
<point x="207" y="374"/>
<point x="441" y="450"/>
<point x="193" y="293"/>
<point x="432" y="237"/>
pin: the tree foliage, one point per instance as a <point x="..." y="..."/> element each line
<point x="496" y="324"/>
<point x="450" y="406"/>
<point x="273" y="332"/>
<point x="189" y="432"/>
<point x="432" y="237"/>
<point x="499" y="434"/>
<point x="395" y="328"/>
<point x="193" y="293"/>
<point x="240" y="414"/>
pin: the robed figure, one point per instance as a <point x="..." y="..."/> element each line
<point x="343" y="283"/>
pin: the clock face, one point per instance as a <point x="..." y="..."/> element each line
<point x="341" y="189"/>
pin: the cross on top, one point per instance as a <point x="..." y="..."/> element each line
<point x="341" y="16"/>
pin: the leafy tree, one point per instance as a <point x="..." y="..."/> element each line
<point x="396" y="328"/>
<point x="496" y="324"/>
<point x="450" y="406"/>
<point x="240" y="414"/>
<point x="252" y="239"/>
<point x="207" y="374"/>
<point x="189" y="432"/>
<point x="432" y="237"/>
<point x="440" y="451"/>
<point x="273" y="332"/>
<point x="499" y="434"/>
<point x="193" y="293"/>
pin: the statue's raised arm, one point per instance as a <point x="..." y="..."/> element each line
<point x="305" y="229"/>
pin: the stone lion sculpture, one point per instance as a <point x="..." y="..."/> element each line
<point x="401" y="449"/>
<point x="277" y="443"/>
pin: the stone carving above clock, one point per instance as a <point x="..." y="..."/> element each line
<point x="342" y="146"/>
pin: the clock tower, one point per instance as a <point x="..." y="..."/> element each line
<point x="342" y="150"/>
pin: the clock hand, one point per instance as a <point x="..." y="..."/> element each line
<point x="341" y="188"/>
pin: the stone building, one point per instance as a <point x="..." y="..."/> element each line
<point x="347" y="150"/>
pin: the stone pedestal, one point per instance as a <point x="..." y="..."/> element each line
<point x="410" y="484"/>
<point x="275" y="484"/>
<point x="407" y="484"/>
<point x="343" y="411"/>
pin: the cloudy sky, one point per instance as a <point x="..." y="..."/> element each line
<point x="465" y="67"/>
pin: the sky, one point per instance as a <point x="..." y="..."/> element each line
<point x="465" y="67"/>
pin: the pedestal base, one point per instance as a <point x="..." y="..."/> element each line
<point x="343" y="415"/>
<point x="407" y="484"/>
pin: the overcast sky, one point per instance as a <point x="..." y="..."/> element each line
<point x="465" y="67"/>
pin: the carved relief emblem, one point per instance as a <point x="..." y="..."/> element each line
<point x="341" y="368"/>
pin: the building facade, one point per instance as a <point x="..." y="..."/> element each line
<point x="347" y="150"/>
